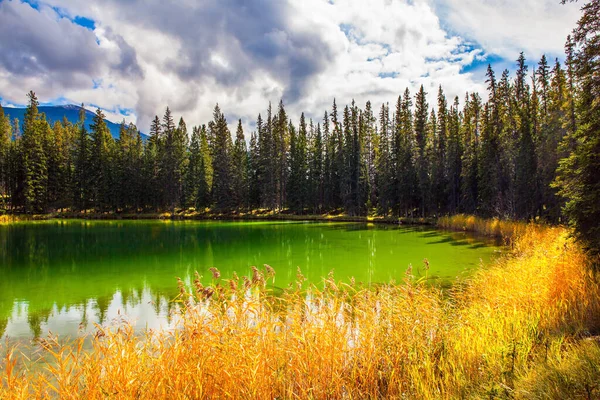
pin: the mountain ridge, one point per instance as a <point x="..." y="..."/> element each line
<point x="70" y="111"/>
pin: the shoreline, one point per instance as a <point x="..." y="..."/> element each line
<point x="250" y="216"/>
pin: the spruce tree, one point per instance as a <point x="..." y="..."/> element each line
<point x="101" y="164"/>
<point x="254" y="172"/>
<point x="82" y="175"/>
<point x="315" y="160"/>
<point x="34" y="160"/>
<point x="240" y="169"/>
<point x="421" y="111"/>
<point x="470" y="132"/>
<point x="194" y="169"/>
<point x="222" y="186"/>
<point x="5" y="143"/>
<point x="454" y="160"/>
<point x="578" y="179"/>
<point x="205" y="173"/>
<point x="526" y="184"/>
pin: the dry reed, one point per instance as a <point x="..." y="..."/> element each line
<point x="493" y="336"/>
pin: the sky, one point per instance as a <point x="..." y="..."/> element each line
<point x="133" y="58"/>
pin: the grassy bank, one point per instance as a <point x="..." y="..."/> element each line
<point x="522" y="328"/>
<point x="504" y="229"/>
<point x="254" y="215"/>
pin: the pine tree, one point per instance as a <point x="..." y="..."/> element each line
<point x="347" y="165"/>
<point x="439" y="167"/>
<point x="57" y="153"/>
<point x="222" y="186"/>
<point x="101" y="162"/>
<point x="266" y="170"/>
<point x="240" y="169"/>
<point x="337" y="161"/>
<point x="194" y="170"/>
<point x="180" y="160"/>
<point x="454" y="159"/>
<point x="315" y="161"/>
<point x="383" y="165"/>
<point x="5" y="132"/>
<point x="254" y="172"/>
<point x="126" y="167"/>
<point x="526" y="184"/>
<point x="409" y="181"/>
<point x="34" y="160"/>
<point x="328" y="164"/>
<point x="489" y="166"/>
<point x="205" y="173"/>
<point x="421" y="110"/>
<point x="152" y="192"/>
<point x="578" y="179"/>
<point x="82" y="168"/>
<point x="470" y="132"/>
<point x="542" y="75"/>
<point x="298" y="183"/>
<point x="369" y="155"/>
<point x="281" y="144"/>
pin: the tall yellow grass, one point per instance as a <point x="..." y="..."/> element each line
<point x="494" y="227"/>
<point x="513" y="330"/>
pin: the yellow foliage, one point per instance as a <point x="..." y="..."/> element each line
<point x="485" y="338"/>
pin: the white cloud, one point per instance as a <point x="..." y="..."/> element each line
<point x="145" y="55"/>
<point x="507" y="27"/>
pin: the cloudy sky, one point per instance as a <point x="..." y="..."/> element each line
<point x="133" y="58"/>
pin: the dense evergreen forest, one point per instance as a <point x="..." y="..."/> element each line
<point x="529" y="151"/>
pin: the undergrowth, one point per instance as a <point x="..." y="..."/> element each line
<point x="520" y="328"/>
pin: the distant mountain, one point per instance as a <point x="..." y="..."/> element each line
<point x="58" y="113"/>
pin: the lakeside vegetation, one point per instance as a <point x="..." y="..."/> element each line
<point x="522" y="328"/>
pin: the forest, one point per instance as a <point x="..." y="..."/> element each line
<point x="530" y="151"/>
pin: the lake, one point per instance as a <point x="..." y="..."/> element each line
<point x="64" y="276"/>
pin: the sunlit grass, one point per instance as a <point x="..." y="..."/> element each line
<point x="513" y="330"/>
<point x="494" y="227"/>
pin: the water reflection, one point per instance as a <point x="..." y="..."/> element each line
<point x="66" y="276"/>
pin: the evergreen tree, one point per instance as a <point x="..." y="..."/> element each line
<point x="152" y="192"/>
<point x="82" y="166"/>
<point x="180" y="160"/>
<point x="298" y="183"/>
<point x="315" y="153"/>
<point x="240" y="168"/>
<point x="421" y="110"/>
<point x="101" y="163"/>
<point x="337" y="161"/>
<point x="470" y="132"/>
<point x="194" y="170"/>
<point x="57" y="153"/>
<point x="281" y="142"/>
<point x="5" y="143"/>
<point x="254" y="172"/>
<point x="222" y="185"/>
<point x="454" y="160"/>
<point x="439" y="167"/>
<point x="383" y="165"/>
<point x="328" y="164"/>
<point x="526" y="183"/>
<point x="369" y="155"/>
<point x="34" y="160"/>
<point x="578" y="179"/>
<point x="205" y="172"/>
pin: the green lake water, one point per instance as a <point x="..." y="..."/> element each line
<point x="65" y="276"/>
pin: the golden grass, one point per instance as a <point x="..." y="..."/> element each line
<point x="5" y="219"/>
<point x="514" y="330"/>
<point x="495" y="227"/>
